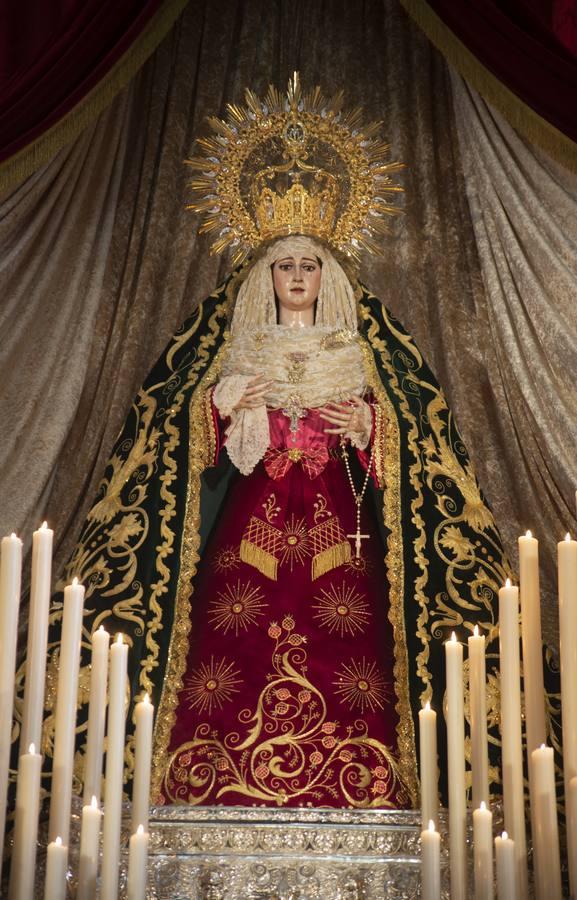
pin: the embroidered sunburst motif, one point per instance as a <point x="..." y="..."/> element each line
<point x="359" y="565"/>
<point x="295" y="546"/>
<point x="342" y="609"/>
<point x="211" y="685"/>
<point x="361" y="684"/>
<point x="226" y="558"/>
<point x="236" y="607"/>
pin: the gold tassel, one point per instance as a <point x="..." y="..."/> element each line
<point x="329" y="559"/>
<point x="259" y="559"/>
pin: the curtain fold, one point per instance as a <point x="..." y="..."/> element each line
<point x="59" y="70"/>
<point x="512" y="56"/>
<point x="524" y="212"/>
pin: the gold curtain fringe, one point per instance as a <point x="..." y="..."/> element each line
<point x="259" y="559"/>
<point x="30" y="158"/>
<point x="329" y="559"/>
<point x="524" y="119"/>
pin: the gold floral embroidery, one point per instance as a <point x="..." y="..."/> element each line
<point x="321" y="508"/>
<point x="361" y="685"/>
<point x="237" y="607"/>
<point x="226" y="558"/>
<point x="271" y="511"/>
<point x="211" y="685"/>
<point x="286" y="749"/>
<point x="342" y="609"/>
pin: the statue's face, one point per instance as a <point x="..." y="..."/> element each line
<point x="297" y="280"/>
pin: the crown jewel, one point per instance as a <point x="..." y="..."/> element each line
<point x="294" y="164"/>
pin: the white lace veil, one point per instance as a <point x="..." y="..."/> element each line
<point x="255" y="305"/>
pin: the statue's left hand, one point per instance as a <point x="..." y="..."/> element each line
<point x="351" y="417"/>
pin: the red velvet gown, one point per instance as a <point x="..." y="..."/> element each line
<point x="288" y="696"/>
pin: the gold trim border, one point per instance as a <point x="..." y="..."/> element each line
<point x="525" y="120"/>
<point x="26" y="161"/>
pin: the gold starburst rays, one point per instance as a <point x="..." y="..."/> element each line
<point x="342" y="609"/>
<point x="226" y="558"/>
<point x="211" y="685"/>
<point x="296" y="544"/>
<point x="361" y="685"/>
<point x="237" y="607"/>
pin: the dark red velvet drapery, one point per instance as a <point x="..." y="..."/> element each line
<point x="526" y="45"/>
<point x="52" y="54"/>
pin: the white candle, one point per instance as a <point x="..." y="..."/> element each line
<point x="483" y="852"/>
<point x="143" y="714"/>
<point x="89" y="846"/>
<point x="428" y="759"/>
<point x="532" y="641"/>
<point x="114" y="770"/>
<point x="572" y="824"/>
<point x="456" y="768"/>
<point x="10" y="575"/>
<point x="430" y="863"/>
<point x="23" y="865"/>
<point x="96" y="715"/>
<point x="567" y="572"/>
<point x="37" y="637"/>
<point x="137" y="865"/>
<point x="66" y="700"/>
<point x="512" y="751"/>
<point x="505" y="858"/>
<point x="546" y="836"/>
<point x="478" y="711"/>
<point x="56" y="869"/>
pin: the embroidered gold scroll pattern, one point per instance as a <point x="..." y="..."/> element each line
<point x="271" y="510"/>
<point x="342" y="609"/>
<point x="236" y="607"/>
<point x="286" y="749"/>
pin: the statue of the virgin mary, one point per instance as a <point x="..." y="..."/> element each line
<point x="289" y="526"/>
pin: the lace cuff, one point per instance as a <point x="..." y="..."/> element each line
<point x="247" y="437"/>
<point x="360" y="439"/>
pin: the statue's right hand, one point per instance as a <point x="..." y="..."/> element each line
<point x="255" y="393"/>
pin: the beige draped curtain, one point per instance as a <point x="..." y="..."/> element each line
<point x="100" y="260"/>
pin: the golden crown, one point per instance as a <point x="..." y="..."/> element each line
<point x="294" y="164"/>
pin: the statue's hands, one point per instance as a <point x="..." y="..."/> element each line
<point x="255" y="393"/>
<point x="351" y="417"/>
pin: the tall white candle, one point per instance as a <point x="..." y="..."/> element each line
<point x="506" y="864"/>
<point x="37" y="637"/>
<point x="478" y="712"/>
<point x="143" y="714"/>
<point x="572" y="824"/>
<point x="430" y="863"/>
<point x="567" y="572"/>
<point x="428" y="760"/>
<point x="89" y="847"/>
<point x="483" y="852"/>
<point x="56" y="869"/>
<point x="66" y="700"/>
<point x="10" y="575"/>
<point x="114" y="769"/>
<point x="96" y="715"/>
<point x="546" y="836"/>
<point x="456" y="768"/>
<point x="512" y="751"/>
<point x="137" y="865"/>
<point x="23" y="865"/>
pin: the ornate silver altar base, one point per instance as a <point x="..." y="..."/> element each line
<point x="237" y="853"/>
<point x="241" y="854"/>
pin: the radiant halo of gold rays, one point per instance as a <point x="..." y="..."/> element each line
<point x="211" y="685"/>
<point x="237" y="607"/>
<point x="296" y="544"/>
<point x="342" y="609"/>
<point x="362" y="685"/>
<point x="226" y="558"/>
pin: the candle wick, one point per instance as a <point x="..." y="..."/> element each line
<point x="476" y="631"/>
<point x="528" y="534"/>
<point x="508" y="583"/>
<point x="483" y="805"/>
<point x="58" y="841"/>
<point x="32" y="748"/>
<point x="504" y="836"/>
<point x="140" y="829"/>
